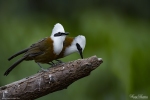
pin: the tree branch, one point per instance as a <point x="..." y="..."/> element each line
<point x="45" y="82"/>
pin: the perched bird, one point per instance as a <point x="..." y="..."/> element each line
<point x="72" y="45"/>
<point x="44" y="51"/>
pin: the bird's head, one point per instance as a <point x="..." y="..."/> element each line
<point x="58" y="32"/>
<point x="80" y="42"/>
<point x="77" y="45"/>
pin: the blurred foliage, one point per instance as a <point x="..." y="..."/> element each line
<point x="117" y="31"/>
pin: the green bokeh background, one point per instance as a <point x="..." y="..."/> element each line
<point x="117" y="31"/>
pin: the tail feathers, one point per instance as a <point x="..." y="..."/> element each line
<point x="13" y="66"/>
<point x="20" y="52"/>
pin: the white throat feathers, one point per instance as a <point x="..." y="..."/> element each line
<point x="58" y="41"/>
<point x="81" y="40"/>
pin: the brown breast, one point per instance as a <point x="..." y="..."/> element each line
<point x="67" y="43"/>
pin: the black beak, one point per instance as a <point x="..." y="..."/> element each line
<point x="66" y="33"/>
<point x="81" y="54"/>
<point x="80" y="50"/>
<point x="61" y="34"/>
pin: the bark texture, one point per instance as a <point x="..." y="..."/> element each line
<point x="56" y="78"/>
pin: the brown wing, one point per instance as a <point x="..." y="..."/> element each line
<point x="36" y="51"/>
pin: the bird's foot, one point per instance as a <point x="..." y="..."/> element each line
<point x="43" y="70"/>
<point x="55" y="64"/>
<point x="59" y="61"/>
<point x="52" y="64"/>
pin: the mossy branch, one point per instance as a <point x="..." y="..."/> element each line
<point x="45" y="82"/>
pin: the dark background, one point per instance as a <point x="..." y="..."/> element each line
<point x="116" y="30"/>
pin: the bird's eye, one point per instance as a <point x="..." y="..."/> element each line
<point x="58" y="34"/>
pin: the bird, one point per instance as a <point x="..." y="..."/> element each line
<point x="43" y="51"/>
<point x="71" y="45"/>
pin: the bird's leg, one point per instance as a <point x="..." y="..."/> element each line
<point x="59" y="61"/>
<point x="42" y="67"/>
<point x="52" y="64"/>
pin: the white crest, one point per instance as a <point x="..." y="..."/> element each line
<point x="57" y="28"/>
<point x="81" y="40"/>
<point x="58" y="41"/>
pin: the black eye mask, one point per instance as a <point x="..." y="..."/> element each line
<point x="60" y="34"/>
<point x="79" y="49"/>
